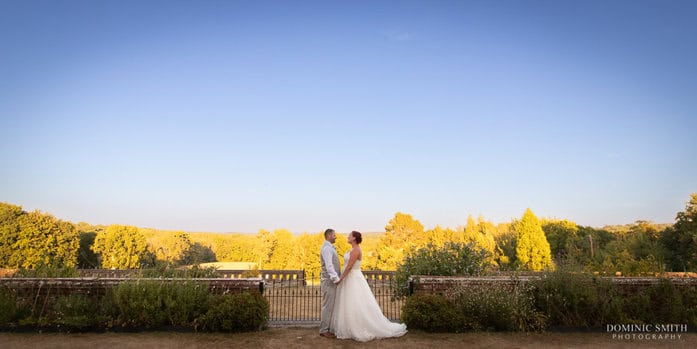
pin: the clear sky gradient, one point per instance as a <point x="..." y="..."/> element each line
<point x="232" y="116"/>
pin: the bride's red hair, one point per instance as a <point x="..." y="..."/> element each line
<point x="357" y="236"/>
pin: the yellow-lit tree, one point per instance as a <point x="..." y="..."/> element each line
<point x="120" y="247"/>
<point x="264" y="248"/>
<point x="342" y="246"/>
<point x="306" y="253"/>
<point x="44" y="241"/>
<point x="481" y="234"/>
<point x="173" y="248"/>
<point x="439" y="236"/>
<point x="532" y="249"/>
<point x="282" y="256"/>
<point x="9" y="232"/>
<point x="402" y="233"/>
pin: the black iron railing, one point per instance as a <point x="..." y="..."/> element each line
<point x="297" y="301"/>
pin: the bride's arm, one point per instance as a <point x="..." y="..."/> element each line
<point x="353" y="257"/>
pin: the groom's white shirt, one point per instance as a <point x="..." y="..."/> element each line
<point x="327" y="251"/>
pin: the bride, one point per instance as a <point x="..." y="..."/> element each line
<point x="357" y="314"/>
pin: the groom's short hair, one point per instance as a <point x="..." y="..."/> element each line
<point x="328" y="232"/>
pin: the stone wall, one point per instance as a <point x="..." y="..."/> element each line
<point x="447" y="285"/>
<point x="52" y="287"/>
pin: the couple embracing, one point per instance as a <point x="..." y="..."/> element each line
<point x="349" y="309"/>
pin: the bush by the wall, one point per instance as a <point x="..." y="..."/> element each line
<point x="185" y="303"/>
<point x="577" y="300"/>
<point x="689" y="302"/>
<point x="235" y="313"/>
<point x="432" y="313"/>
<point x="8" y="306"/>
<point x="137" y="305"/>
<point x="663" y="303"/>
<point x="558" y="300"/>
<point x="497" y="309"/>
<point x="147" y="304"/>
<point x="77" y="312"/>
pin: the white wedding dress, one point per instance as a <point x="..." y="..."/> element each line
<point x="357" y="314"/>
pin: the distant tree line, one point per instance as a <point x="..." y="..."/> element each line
<point x="35" y="240"/>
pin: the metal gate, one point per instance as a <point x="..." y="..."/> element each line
<point x="296" y="300"/>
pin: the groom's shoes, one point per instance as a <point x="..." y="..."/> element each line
<point x="327" y="335"/>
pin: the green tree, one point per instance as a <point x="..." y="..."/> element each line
<point x="590" y="249"/>
<point x="86" y="258"/>
<point x="644" y="242"/>
<point x="681" y="239"/>
<point x="451" y="259"/>
<point x="201" y="253"/>
<point x="632" y="249"/>
<point x="532" y="249"/>
<point x="120" y="247"/>
<point x="560" y="234"/>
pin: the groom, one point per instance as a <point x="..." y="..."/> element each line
<point x="329" y="277"/>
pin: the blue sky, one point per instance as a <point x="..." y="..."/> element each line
<point x="232" y="116"/>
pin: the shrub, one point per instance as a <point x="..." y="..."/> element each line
<point x="498" y="309"/>
<point x="559" y="299"/>
<point x="139" y="304"/>
<point x="662" y="303"/>
<point x="451" y="259"/>
<point x="78" y="312"/>
<point x="235" y="313"/>
<point x="431" y="313"/>
<point x="184" y="303"/>
<point x="8" y="306"/>
<point x="577" y="300"/>
<point x="689" y="302"/>
<point x="156" y="303"/>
